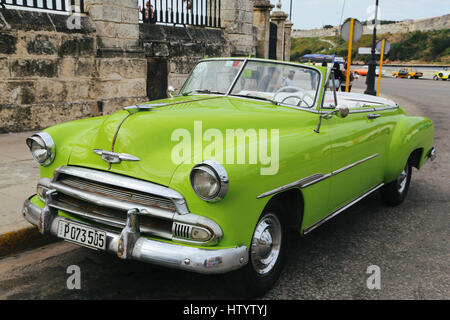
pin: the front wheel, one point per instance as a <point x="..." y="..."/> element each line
<point x="435" y="78"/>
<point x="394" y="193"/>
<point x="266" y="254"/>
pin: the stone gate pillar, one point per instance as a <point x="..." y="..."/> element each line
<point x="120" y="77"/>
<point x="261" y="20"/>
<point x="237" y="20"/>
<point x="279" y="18"/>
<point x="287" y="46"/>
<point x="117" y="23"/>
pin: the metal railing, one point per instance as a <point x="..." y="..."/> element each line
<point x="43" y="5"/>
<point x="205" y="13"/>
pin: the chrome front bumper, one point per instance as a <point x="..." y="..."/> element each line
<point x="130" y="245"/>
<point x="432" y="154"/>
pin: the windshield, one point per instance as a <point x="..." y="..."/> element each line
<point x="277" y="82"/>
<point x="212" y="77"/>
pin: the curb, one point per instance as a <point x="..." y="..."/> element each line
<point x="23" y="239"/>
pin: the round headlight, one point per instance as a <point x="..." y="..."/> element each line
<point x="42" y="148"/>
<point x="209" y="180"/>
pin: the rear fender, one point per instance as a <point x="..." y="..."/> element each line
<point x="410" y="134"/>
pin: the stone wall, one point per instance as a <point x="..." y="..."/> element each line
<point x="237" y="21"/>
<point x="46" y="70"/>
<point x="178" y="50"/>
<point x="437" y="23"/>
<point x="51" y="74"/>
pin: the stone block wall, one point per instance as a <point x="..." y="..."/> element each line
<point x="178" y="50"/>
<point x="46" y="70"/>
<point x="237" y="21"/>
<point x="51" y="74"/>
<point x="437" y="23"/>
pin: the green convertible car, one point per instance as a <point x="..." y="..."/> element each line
<point x="213" y="179"/>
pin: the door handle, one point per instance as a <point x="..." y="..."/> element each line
<point x="373" y="115"/>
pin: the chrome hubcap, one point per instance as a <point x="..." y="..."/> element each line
<point x="266" y="244"/>
<point x="402" y="179"/>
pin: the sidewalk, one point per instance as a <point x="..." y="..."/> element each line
<point x="19" y="175"/>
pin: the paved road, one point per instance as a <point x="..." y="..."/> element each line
<point x="409" y="243"/>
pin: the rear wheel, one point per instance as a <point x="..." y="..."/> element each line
<point x="409" y="77"/>
<point x="436" y="78"/>
<point x="266" y="254"/>
<point x="394" y="193"/>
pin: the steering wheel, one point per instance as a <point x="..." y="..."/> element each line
<point x="297" y="89"/>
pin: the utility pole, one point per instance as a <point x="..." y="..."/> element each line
<point x="370" y="81"/>
<point x="290" y="12"/>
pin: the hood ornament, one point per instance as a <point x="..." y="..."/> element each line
<point x="113" y="157"/>
<point x="143" y="107"/>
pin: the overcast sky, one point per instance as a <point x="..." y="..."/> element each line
<point x="309" y="14"/>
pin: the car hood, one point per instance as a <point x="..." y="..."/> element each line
<point x="151" y="135"/>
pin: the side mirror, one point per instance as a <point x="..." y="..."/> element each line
<point x="341" y="112"/>
<point x="170" y="91"/>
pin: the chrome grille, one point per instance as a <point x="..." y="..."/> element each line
<point x="110" y="217"/>
<point x="182" y="231"/>
<point x="105" y="198"/>
<point x="117" y="192"/>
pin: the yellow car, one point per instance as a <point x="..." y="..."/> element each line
<point x="409" y="73"/>
<point x="443" y="75"/>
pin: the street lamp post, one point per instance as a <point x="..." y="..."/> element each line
<point x="370" y="81"/>
<point x="290" y="12"/>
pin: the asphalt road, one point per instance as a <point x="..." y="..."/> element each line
<point x="409" y="243"/>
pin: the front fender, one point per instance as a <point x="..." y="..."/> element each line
<point x="65" y="136"/>
<point x="410" y="133"/>
<point x="236" y="214"/>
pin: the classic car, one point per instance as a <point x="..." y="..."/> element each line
<point x="410" y="73"/>
<point x="442" y="74"/>
<point x="364" y="70"/>
<point x="213" y="179"/>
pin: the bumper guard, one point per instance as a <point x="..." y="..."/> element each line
<point x="130" y="245"/>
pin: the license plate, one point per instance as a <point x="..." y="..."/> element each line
<point x="82" y="235"/>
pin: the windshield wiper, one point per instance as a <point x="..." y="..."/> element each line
<point x="256" y="97"/>
<point x="208" y="91"/>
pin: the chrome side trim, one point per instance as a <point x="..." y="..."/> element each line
<point x="315" y="178"/>
<point x="299" y="183"/>
<point x="354" y="164"/>
<point x="374" y="109"/>
<point x="335" y="213"/>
